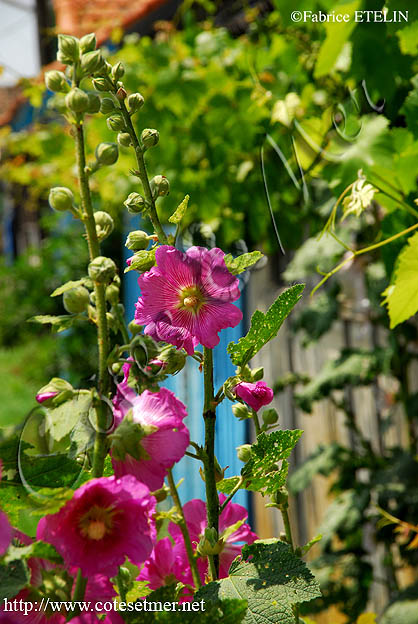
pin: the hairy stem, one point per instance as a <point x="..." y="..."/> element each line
<point x="184" y="531"/>
<point x="289" y="539"/>
<point x="99" y="290"/>
<point x="78" y="594"/>
<point x="256" y="422"/>
<point x="209" y="417"/>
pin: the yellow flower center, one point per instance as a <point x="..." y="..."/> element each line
<point x="191" y="299"/>
<point x="190" y="302"/>
<point x="97" y="522"/>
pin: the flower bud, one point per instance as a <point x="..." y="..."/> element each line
<point x="257" y="373"/>
<point x="100" y="84"/>
<point x="172" y="359"/>
<point x="61" y="198"/>
<point x="94" y="103"/>
<point x="92" y="62"/>
<point x="107" y="106"/>
<point x="137" y="240"/>
<point x="124" y="139"/>
<point x="102" y="270"/>
<point x="77" y="100"/>
<point x="142" y="260"/>
<point x="160" y="186"/>
<point x="107" y="153"/>
<point x="209" y="543"/>
<point x="116" y="280"/>
<point x="161" y="494"/>
<point x="55" y="81"/>
<point x="104" y="224"/>
<point x="76" y="300"/>
<point x="240" y="411"/>
<point x="135" y="102"/>
<point x="134" y="328"/>
<point x="135" y="203"/>
<point x="88" y="43"/>
<point x="48" y="395"/>
<point x="118" y="71"/>
<point x="112" y="294"/>
<point x="149" y="138"/>
<point x="256" y="395"/>
<point x="115" y="123"/>
<point x="270" y="416"/>
<point x="68" y="49"/>
<point x="281" y="498"/>
<point x="244" y="452"/>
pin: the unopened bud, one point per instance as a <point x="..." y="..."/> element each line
<point x="118" y="71"/>
<point x="94" y="103"/>
<point x="100" y="84"/>
<point x="68" y="49"/>
<point x="107" y="153"/>
<point x="161" y="494"/>
<point x="135" y="203"/>
<point x="121" y="94"/>
<point x="125" y="575"/>
<point x="57" y="389"/>
<point x="124" y="139"/>
<point x="172" y="359"/>
<point x="77" y="100"/>
<point x="135" y="102"/>
<point x="240" y="411"/>
<point x="244" y="452"/>
<point x="76" y="300"/>
<point x="137" y="240"/>
<point x="210" y="544"/>
<point x="102" y="270"/>
<point x="270" y="416"/>
<point x="61" y="198"/>
<point x="88" y="43"/>
<point x="142" y="260"/>
<point x="92" y="62"/>
<point x="104" y="224"/>
<point x="107" y="106"/>
<point x="281" y="498"/>
<point x="134" y="328"/>
<point x="55" y="81"/>
<point x="115" y="123"/>
<point x="257" y="373"/>
<point x="112" y="294"/>
<point x="160" y="186"/>
<point x="149" y="138"/>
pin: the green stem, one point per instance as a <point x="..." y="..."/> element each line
<point x="99" y="452"/>
<point x="256" y="423"/>
<point x="183" y="528"/>
<point x="78" y="594"/>
<point x="233" y="492"/>
<point x="289" y="539"/>
<point x="209" y="417"/>
<point x="143" y="175"/>
<point x="122" y="325"/>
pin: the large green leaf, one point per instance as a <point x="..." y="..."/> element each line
<point x="264" y="327"/>
<point x="58" y="323"/>
<point x="241" y="263"/>
<point x="262" y="472"/>
<point x="271" y="578"/>
<point x="61" y="420"/>
<point x="13" y="578"/>
<point x="401" y="297"/>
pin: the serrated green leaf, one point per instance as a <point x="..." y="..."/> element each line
<point x="337" y="35"/>
<point x="264" y="327"/>
<point x="61" y="420"/>
<point x="13" y="578"/>
<point x="272" y="581"/>
<point x="262" y="472"/>
<point x="59" y="323"/>
<point x="67" y="286"/>
<point x="139" y="590"/>
<point x="401" y="297"/>
<point x="241" y="263"/>
<point x="36" y="549"/>
<point x="142" y="261"/>
<point x="177" y="216"/>
<point x="227" y="485"/>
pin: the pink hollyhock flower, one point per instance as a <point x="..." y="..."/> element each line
<point x="163" y="447"/>
<point x="186" y="299"/>
<point x="254" y="394"/>
<point x="232" y="528"/>
<point x="106" y="520"/>
<point x="164" y="566"/>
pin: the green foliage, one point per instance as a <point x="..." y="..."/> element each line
<point x="271" y="578"/>
<point x="401" y="297"/>
<point x="243" y="262"/>
<point x="13" y="577"/>
<point x="323" y="461"/>
<point x="264" y="327"/>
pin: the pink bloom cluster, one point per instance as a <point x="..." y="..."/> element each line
<point x="187" y="297"/>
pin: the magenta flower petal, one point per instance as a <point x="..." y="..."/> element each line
<point x="6" y="533"/>
<point x="106" y="520"/>
<point x="254" y="394"/>
<point x="165" y="446"/>
<point x="186" y="299"/>
<point x="44" y="396"/>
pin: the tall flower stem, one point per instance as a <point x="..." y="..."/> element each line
<point x="184" y="531"/>
<point x="143" y="176"/>
<point x="209" y="417"/>
<point x="289" y="538"/>
<point x="78" y="594"/>
<point x="87" y="216"/>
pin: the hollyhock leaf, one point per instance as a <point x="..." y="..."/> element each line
<point x="68" y="286"/>
<point x="180" y="211"/>
<point x="262" y="470"/>
<point x="59" y="323"/>
<point x="243" y="262"/>
<point x="138" y="590"/>
<point x="13" y="577"/>
<point x="61" y="420"/>
<point x="35" y="549"/>
<point x="227" y="485"/>
<point x="264" y="327"/>
<point x="272" y="581"/>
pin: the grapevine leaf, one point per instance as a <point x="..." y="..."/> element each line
<point x="272" y="581"/>
<point x="262" y="470"/>
<point x="264" y="327"/>
<point x="401" y="297"/>
<point x="180" y="211"/>
<point x="243" y="262"/>
<point x="13" y="578"/>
